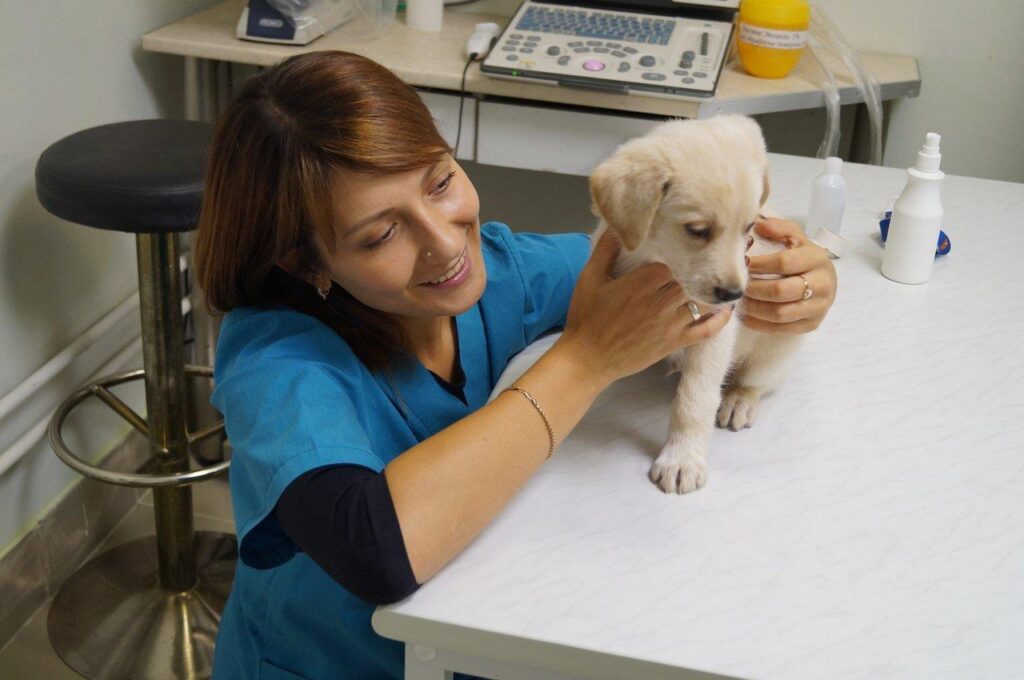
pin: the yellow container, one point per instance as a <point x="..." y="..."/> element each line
<point x="771" y="35"/>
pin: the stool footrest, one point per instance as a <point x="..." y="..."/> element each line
<point x="99" y="389"/>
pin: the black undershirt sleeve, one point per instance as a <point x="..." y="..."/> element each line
<point x="343" y="517"/>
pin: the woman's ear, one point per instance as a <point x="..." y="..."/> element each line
<point x="627" y="190"/>
<point x="298" y="264"/>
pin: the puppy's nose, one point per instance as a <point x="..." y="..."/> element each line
<point x="728" y="294"/>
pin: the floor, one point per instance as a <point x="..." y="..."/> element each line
<point x="29" y="656"/>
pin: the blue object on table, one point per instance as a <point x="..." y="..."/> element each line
<point x="941" y="248"/>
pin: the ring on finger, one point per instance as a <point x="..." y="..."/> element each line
<point x="807" y="289"/>
<point x="694" y="311"/>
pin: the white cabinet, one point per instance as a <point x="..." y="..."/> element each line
<point x="551" y="139"/>
<point x="445" y="109"/>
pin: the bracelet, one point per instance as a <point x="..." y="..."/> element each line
<point x="529" y="397"/>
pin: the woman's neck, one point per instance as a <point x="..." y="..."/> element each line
<point x="433" y="343"/>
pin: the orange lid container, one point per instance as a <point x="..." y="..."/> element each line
<point x="771" y="35"/>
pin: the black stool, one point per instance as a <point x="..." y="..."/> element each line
<point x="149" y="608"/>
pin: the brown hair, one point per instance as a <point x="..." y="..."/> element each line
<point x="268" y="178"/>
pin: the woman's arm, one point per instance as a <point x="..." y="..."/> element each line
<point x="778" y="305"/>
<point x="449" y="487"/>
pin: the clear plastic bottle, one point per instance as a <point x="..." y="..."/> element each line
<point x="825" y="212"/>
<point x="916" y="219"/>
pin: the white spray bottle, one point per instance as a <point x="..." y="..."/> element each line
<point x="916" y="219"/>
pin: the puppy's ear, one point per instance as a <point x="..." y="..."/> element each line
<point x="766" y="191"/>
<point x="627" y="190"/>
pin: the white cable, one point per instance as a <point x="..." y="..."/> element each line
<point x="13" y="399"/>
<point x="25" y="442"/>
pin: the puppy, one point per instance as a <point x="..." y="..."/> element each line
<point x="687" y="195"/>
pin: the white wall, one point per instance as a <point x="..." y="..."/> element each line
<point x="65" y="66"/>
<point x="971" y="57"/>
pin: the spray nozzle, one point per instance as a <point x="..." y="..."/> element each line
<point x="929" y="157"/>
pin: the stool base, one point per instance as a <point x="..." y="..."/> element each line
<point x="112" y="620"/>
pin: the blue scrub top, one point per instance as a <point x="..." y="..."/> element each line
<point x="295" y="397"/>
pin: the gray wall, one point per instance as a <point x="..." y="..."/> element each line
<point x="64" y="66"/>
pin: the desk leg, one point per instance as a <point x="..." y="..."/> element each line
<point x="193" y="91"/>
<point x="421" y="663"/>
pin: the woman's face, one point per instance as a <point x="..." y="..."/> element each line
<point x="408" y="244"/>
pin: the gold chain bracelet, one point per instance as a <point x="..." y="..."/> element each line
<point x="529" y="397"/>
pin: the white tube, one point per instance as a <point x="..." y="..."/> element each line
<point x="51" y="368"/>
<point x="25" y="442"/>
<point x="424" y="15"/>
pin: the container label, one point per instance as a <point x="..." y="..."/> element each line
<point x="774" y="38"/>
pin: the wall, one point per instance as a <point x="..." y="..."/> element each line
<point x="971" y="57"/>
<point x="64" y="67"/>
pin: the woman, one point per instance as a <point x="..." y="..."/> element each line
<point x="369" y="315"/>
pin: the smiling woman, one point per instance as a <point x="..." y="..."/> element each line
<point x="285" y="149"/>
<point x="368" y="316"/>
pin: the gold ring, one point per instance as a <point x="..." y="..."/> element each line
<point x="807" y="288"/>
<point x="694" y="312"/>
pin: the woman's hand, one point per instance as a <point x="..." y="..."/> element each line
<point x="621" y="326"/>
<point x="778" y="305"/>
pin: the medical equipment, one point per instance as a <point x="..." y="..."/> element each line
<point x="299" y="22"/>
<point x="295" y="22"/>
<point x="484" y="36"/>
<point x="653" y="47"/>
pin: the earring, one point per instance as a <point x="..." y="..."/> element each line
<point x="323" y="292"/>
<point x="429" y="254"/>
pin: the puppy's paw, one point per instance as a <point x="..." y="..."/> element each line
<point x="677" y="472"/>
<point x="739" y="408"/>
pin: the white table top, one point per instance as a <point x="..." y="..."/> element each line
<point x="436" y="60"/>
<point x="870" y="525"/>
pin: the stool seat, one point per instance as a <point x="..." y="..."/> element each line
<point x="143" y="176"/>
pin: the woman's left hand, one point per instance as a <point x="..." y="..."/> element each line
<point x="780" y="305"/>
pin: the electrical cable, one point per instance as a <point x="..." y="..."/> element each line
<point x="462" y="100"/>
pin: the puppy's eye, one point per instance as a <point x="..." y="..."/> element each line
<point x="698" y="229"/>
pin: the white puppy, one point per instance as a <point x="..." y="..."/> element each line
<point x="687" y="195"/>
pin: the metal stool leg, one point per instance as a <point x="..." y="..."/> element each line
<point x="163" y="349"/>
<point x="150" y="608"/>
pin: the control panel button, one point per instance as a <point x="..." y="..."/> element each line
<point x="554" y="51"/>
<point x="653" y="76"/>
<point x="593" y="65"/>
<point x="623" y="66"/>
<point x="648" y="60"/>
